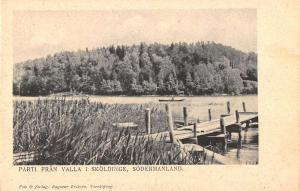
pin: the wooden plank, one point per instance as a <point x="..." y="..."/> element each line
<point x="186" y="135"/>
<point x="180" y="123"/>
<point x="248" y="113"/>
<point x="124" y="125"/>
<point x="225" y="115"/>
<point x="217" y="136"/>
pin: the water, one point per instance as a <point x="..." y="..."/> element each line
<point x="198" y="110"/>
<point x="248" y="153"/>
<point x="197" y="106"/>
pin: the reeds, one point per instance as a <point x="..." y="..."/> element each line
<point x="81" y="132"/>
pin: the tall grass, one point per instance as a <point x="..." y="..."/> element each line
<point x="81" y="132"/>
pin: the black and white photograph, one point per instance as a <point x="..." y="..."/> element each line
<point x="135" y="87"/>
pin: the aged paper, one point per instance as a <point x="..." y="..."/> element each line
<point x="272" y="31"/>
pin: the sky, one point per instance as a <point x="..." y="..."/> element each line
<point x="40" y="33"/>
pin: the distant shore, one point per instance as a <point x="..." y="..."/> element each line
<point x="86" y="95"/>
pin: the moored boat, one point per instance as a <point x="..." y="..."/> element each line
<point x="162" y="100"/>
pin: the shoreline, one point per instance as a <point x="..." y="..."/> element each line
<point x="71" y="96"/>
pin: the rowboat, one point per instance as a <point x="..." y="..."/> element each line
<point x="164" y="100"/>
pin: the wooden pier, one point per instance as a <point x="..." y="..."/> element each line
<point x="213" y="126"/>
<point x="218" y="130"/>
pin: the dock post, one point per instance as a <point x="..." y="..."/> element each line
<point x="195" y="133"/>
<point x="239" y="128"/>
<point x="228" y="107"/>
<point x="245" y="135"/>
<point x="148" y="120"/>
<point x="185" y="116"/>
<point x="223" y="130"/>
<point x="222" y="125"/>
<point x="237" y="115"/>
<point x="209" y="114"/>
<point x="244" y="107"/>
<point x="170" y="122"/>
<point x="240" y="137"/>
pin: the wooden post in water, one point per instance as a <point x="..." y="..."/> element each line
<point x="240" y="137"/>
<point x="209" y="114"/>
<point x="245" y="135"/>
<point x="228" y="107"/>
<point x="237" y="115"/>
<point x="185" y="117"/>
<point x="223" y="130"/>
<point x="195" y="133"/>
<point x="195" y="129"/>
<point x="244" y="107"/>
<point x="222" y="125"/>
<point x="148" y="120"/>
<point x="170" y="122"/>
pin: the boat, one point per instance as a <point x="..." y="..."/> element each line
<point x="162" y="100"/>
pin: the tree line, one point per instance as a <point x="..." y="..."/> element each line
<point x="201" y="68"/>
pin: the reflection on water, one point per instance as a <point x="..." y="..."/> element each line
<point x="248" y="152"/>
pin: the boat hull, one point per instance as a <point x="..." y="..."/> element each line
<point x="170" y="100"/>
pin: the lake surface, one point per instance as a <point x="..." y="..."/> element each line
<point x="249" y="150"/>
<point x="197" y="107"/>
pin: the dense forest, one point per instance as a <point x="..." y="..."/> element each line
<point x="201" y="68"/>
